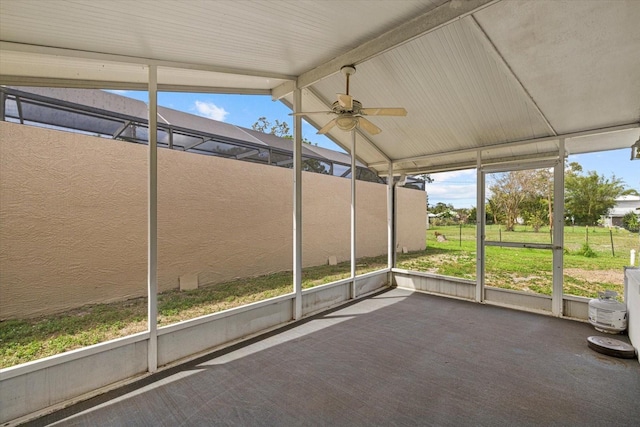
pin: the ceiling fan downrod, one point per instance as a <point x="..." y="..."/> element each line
<point x="348" y="70"/>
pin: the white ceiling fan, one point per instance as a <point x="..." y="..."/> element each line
<point x="350" y="113"/>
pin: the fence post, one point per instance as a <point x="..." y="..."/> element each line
<point x="587" y="235"/>
<point x="613" y="252"/>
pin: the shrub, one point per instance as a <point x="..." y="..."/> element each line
<point x="586" y="251"/>
<point x="630" y="222"/>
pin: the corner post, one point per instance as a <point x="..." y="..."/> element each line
<point x="297" y="205"/>
<point x="390" y="221"/>
<point x="480" y="229"/>
<point x="152" y="223"/>
<point x="353" y="214"/>
<point x="558" y="231"/>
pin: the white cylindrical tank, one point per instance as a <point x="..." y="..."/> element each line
<point x="606" y="314"/>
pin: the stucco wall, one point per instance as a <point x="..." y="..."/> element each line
<point x="411" y="217"/>
<point x="73" y="219"/>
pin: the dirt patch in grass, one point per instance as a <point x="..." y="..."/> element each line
<point x="596" y="276"/>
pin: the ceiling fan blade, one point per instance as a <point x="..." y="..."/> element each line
<point x="384" y="111"/>
<point x="345" y="101"/>
<point x="326" y="128"/>
<point x="368" y="126"/>
<point x="305" y="113"/>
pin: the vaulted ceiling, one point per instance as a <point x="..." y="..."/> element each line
<point x="503" y="79"/>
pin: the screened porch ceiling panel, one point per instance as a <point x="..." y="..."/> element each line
<point x="62" y="71"/>
<point x="478" y="74"/>
<point x="595" y="143"/>
<point x="579" y="60"/>
<point x="455" y="91"/>
<point x="263" y="37"/>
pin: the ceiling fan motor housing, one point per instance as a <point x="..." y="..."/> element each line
<point x="348" y="70"/>
<point x="355" y="109"/>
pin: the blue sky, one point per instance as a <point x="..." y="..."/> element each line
<point x="457" y="188"/>
<point x="240" y="110"/>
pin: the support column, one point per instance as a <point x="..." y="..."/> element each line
<point x="558" y="232"/>
<point x="390" y="220"/>
<point x="152" y="223"/>
<point x="3" y="108"/>
<point x="480" y="230"/>
<point x="353" y="214"/>
<point x="297" y="205"/>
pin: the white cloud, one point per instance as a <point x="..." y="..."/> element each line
<point x="210" y="111"/>
<point x="466" y="175"/>
<point x="456" y="187"/>
<point x="452" y="191"/>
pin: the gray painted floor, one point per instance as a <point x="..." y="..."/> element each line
<point x="395" y="359"/>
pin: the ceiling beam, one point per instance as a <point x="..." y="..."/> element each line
<point x="423" y="24"/>
<point x="125" y="59"/>
<point x="589" y="132"/>
<point x="472" y="164"/>
<point x="283" y="90"/>
<point x="12" y="80"/>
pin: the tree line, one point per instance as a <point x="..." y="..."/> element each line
<point x="526" y="197"/>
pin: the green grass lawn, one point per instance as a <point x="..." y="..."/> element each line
<point x="24" y="340"/>
<point x="529" y="269"/>
<point x="521" y="269"/>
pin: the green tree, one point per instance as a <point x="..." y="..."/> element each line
<point x="464" y="215"/>
<point x="630" y="222"/>
<point x="509" y="191"/>
<point x="526" y="195"/>
<point x="280" y="129"/>
<point x="315" y="165"/>
<point x="589" y="196"/>
<point x="443" y="210"/>
<point x="473" y="215"/>
<point x="425" y="177"/>
<point x="534" y="211"/>
<point x="492" y="210"/>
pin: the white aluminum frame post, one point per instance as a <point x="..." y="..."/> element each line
<point x="558" y="232"/>
<point x="297" y="205"/>
<point x="353" y="214"/>
<point x="480" y="230"/>
<point x="390" y="231"/>
<point x="152" y="223"/>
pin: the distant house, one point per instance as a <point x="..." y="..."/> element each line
<point x="624" y="205"/>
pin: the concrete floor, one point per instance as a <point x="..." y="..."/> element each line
<point x="395" y="359"/>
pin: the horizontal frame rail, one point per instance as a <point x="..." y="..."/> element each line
<point x="519" y="245"/>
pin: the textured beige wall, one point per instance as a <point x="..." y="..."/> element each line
<point x="72" y="225"/>
<point x="411" y="217"/>
<point x="73" y="219"/>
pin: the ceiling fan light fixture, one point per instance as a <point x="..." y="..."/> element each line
<point x="635" y="150"/>
<point x="347" y="123"/>
<point x="349" y="112"/>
